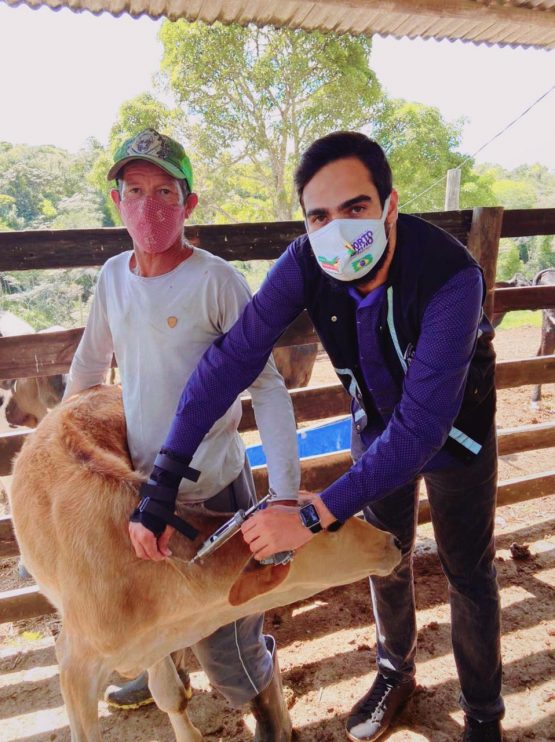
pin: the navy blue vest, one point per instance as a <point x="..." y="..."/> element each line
<point x="425" y="258"/>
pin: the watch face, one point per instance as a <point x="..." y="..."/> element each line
<point x="309" y="516"/>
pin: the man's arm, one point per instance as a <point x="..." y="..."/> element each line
<point x="432" y="396"/>
<point x="93" y="356"/>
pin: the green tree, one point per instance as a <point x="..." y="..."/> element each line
<point x="421" y="146"/>
<point x="262" y="95"/>
<point x="34" y="181"/>
<point x="509" y="261"/>
<point x="8" y="217"/>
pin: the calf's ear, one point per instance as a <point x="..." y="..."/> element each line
<point x="256" y="579"/>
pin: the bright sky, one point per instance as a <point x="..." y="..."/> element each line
<point x="63" y="77"/>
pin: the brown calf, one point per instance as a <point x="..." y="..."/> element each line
<point x="32" y="398"/>
<point x="72" y="493"/>
<point x="295" y="363"/>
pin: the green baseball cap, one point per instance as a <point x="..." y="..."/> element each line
<point x="157" y="148"/>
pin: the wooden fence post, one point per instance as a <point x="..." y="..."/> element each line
<point x="452" y="190"/>
<point x="483" y="244"/>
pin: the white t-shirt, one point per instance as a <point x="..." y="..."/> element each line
<point x="159" y="327"/>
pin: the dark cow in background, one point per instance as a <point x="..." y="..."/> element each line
<point x="547" y="343"/>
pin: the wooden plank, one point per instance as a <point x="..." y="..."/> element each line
<point x="40" y="354"/>
<point x="523" y="297"/>
<point x="538" y="370"/>
<point x="51" y="353"/>
<point x="313" y="404"/>
<point x="509" y="492"/>
<point x="24" y="603"/>
<point x="530" y="487"/>
<point x="319" y="472"/>
<point x="456" y="223"/>
<point x="317" y="403"/>
<point x="526" y="438"/>
<point x="74" y="248"/>
<point x="452" y="189"/>
<point x="528" y="222"/>
<point x="483" y="244"/>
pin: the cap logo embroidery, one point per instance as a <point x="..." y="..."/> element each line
<point x="172" y="321"/>
<point x="149" y="143"/>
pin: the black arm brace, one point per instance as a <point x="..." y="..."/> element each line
<point x="158" y="496"/>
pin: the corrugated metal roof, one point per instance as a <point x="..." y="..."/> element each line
<point x="503" y="22"/>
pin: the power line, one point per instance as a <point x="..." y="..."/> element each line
<point x="493" y="138"/>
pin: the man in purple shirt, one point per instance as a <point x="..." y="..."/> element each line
<point x="397" y="304"/>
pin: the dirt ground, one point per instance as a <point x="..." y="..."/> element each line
<point x="327" y="646"/>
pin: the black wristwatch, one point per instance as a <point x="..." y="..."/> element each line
<point x="310" y="518"/>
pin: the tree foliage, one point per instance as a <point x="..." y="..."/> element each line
<point x="37" y="185"/>
<point x="261" y="95"/>
<point x="421" y="147"/>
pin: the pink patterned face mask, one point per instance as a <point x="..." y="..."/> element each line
<point x="154" y="226"/>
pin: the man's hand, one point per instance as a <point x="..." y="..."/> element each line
<point x="277" y="528"/>
<point x="146" y="545"/>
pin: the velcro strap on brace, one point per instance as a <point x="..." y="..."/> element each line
<point x="160" y="501"/>
<point x="151" y="506"/>
<point x="182" y="469"/>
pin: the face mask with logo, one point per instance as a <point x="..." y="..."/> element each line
<point x="154" y="225"/>
<point x="348" y="249"/>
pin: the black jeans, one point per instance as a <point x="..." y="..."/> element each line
<point x="462" y="503"/>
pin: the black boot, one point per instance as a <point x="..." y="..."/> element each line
<point x="477" y="731"/>
<point x="372" y="715"/>
<point x="268" y="707"/>
<point x="136" y="693"/>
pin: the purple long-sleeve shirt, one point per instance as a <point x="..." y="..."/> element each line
<point x="410" y="432"/>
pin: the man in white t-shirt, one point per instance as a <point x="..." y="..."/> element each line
<point x="158" y="308"/>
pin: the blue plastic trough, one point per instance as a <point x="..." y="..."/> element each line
<point x="328" y="438"/>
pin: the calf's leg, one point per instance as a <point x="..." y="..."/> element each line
<point x="172" y="697"/>
<point x="82" y="675"/>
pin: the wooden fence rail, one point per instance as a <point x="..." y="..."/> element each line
<point x="78" y="248"/>
<point x="331" y="400"/>
<point x="51" y="352"/>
